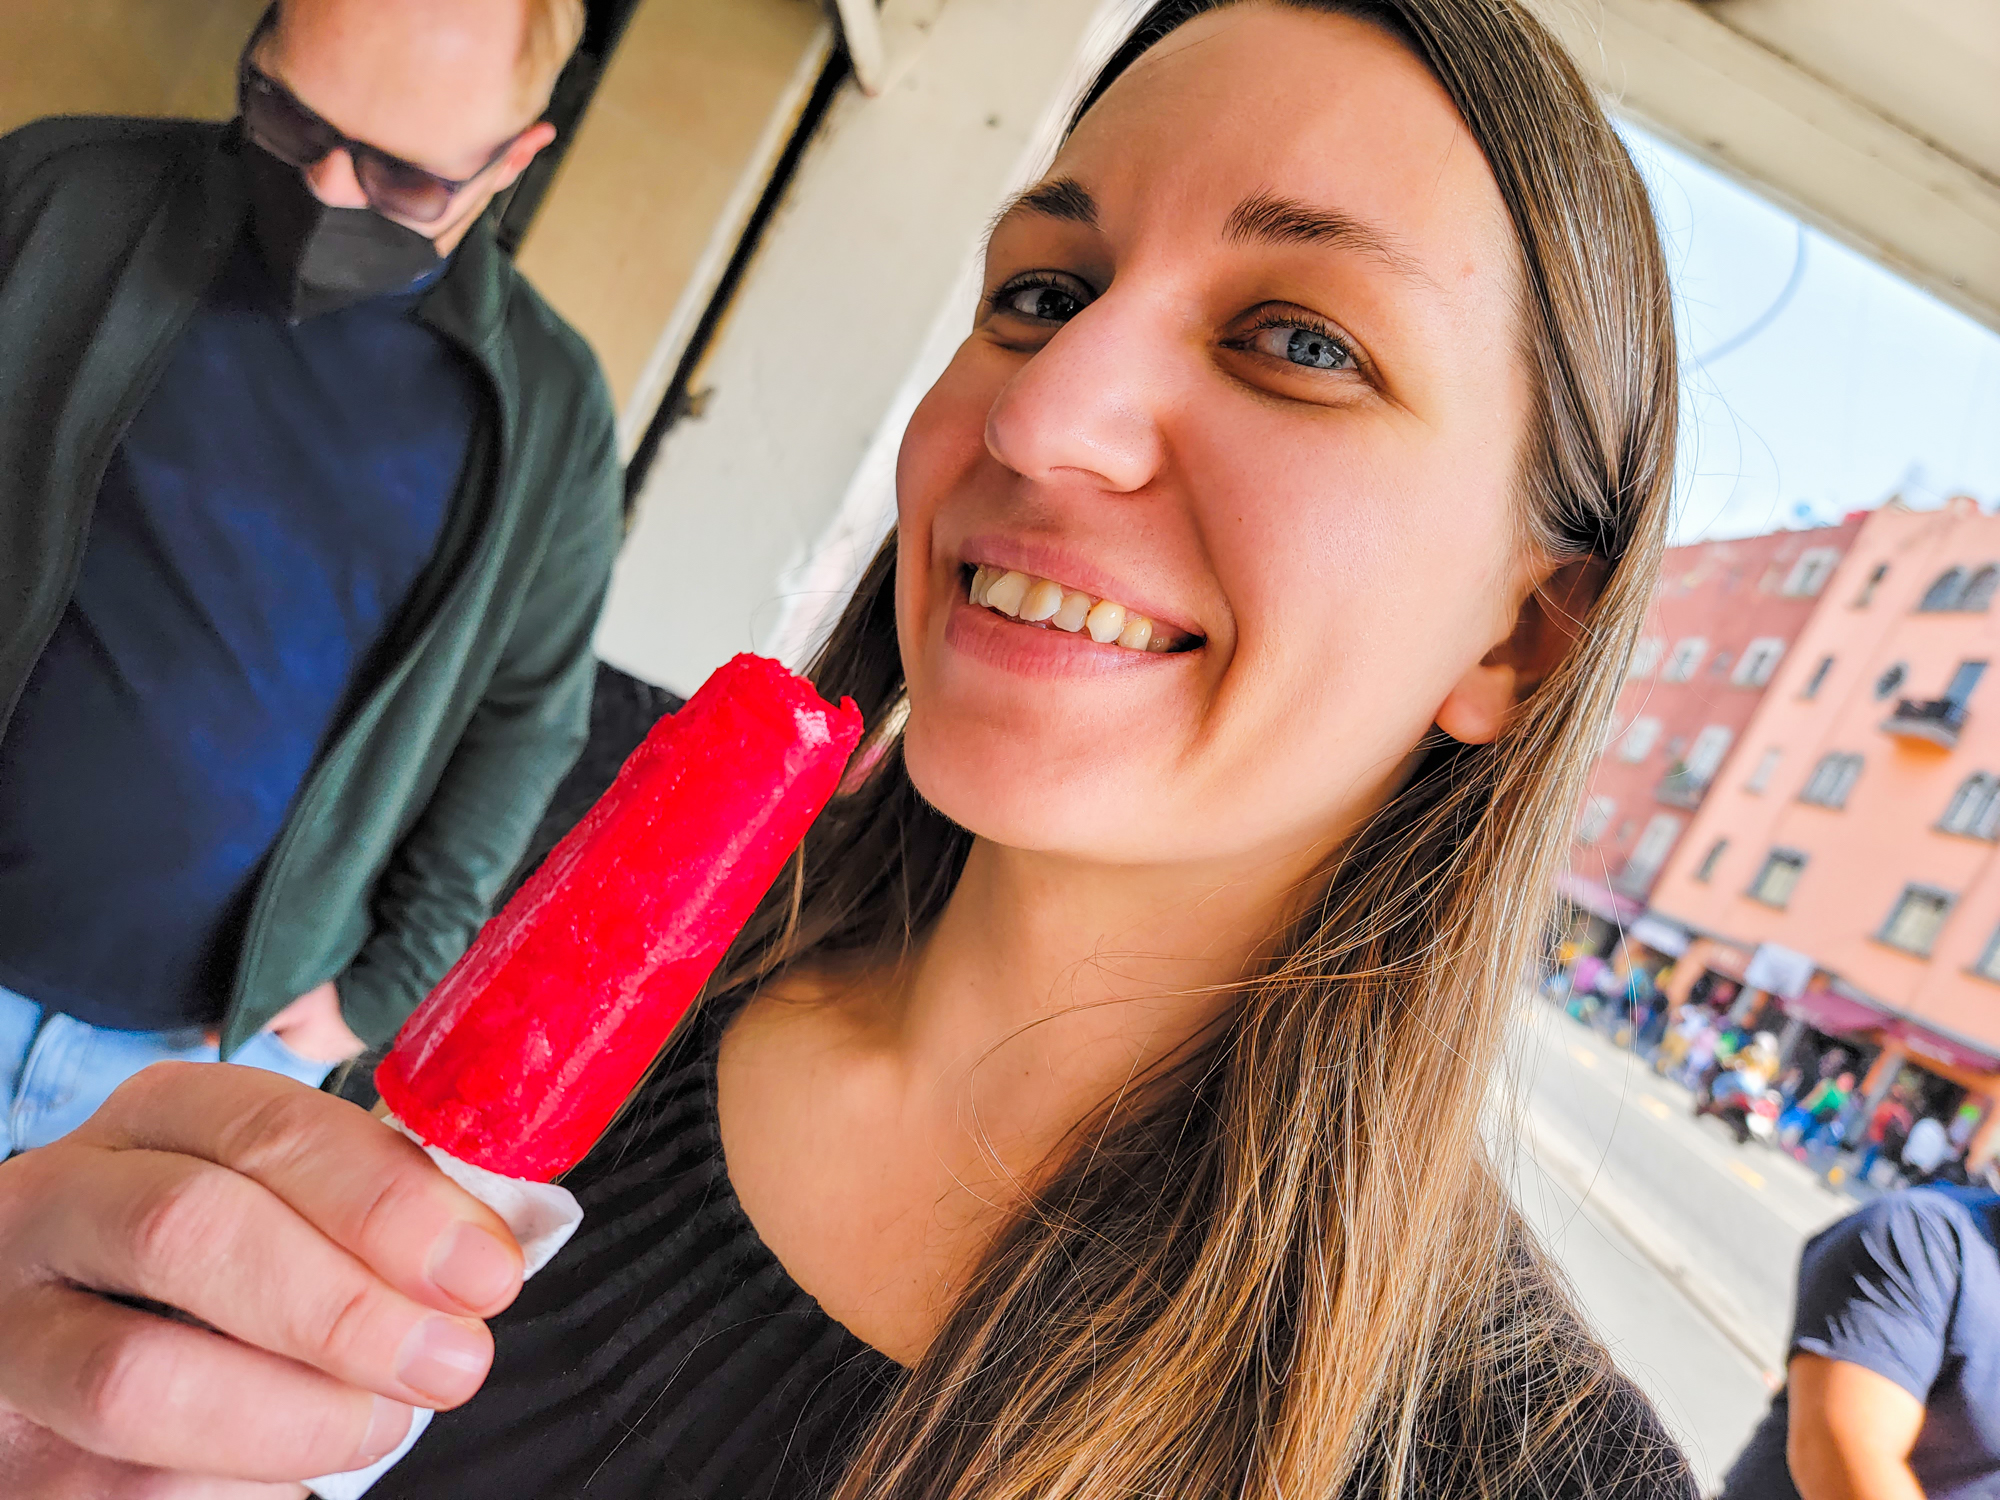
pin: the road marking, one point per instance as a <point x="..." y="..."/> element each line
<point x="1581" y="1173"/>
<point x="1654" y="1107"/>
<point x="1584" y="1056"/>
<point x="1755" y="1179"/>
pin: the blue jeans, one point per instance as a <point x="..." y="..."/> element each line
<point x="56" y="1070"/>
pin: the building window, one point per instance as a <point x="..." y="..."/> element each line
<point x="1988" y="966"/>
<point x="1639" y="740"/>
<point x="1810" y="573"/>
<point x="1956" y="590"/>
<point x="1779" y="878"/>
<point x="1705" y="871"/>
<point x="1685" y="660"/>
<point x="1760" y="659"/>
<point x="1646" y="657"/>
<point x="1917" y="919"/>
<point x="1597" y="814"/>
<point x="1944" y="593"/>
<point x="1963" y="681"/>
<point x="1832" y="779"/>
<point x="1974" y="808"/>
<point x="1767" y="765"/>
<point x="1867" y="595"/>
<point x="1704" y="757"/>
<point x="1818" y="678"/>
<point x="1979" y="592"/>
<point x="1644" y="862"/>
<point x="1890" y="680"/>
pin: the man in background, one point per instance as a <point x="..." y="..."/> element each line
<point x="307" y="508"/>
<point x="1893" y="1387"/>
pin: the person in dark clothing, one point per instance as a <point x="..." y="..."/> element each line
<point x="1097" y="1104"/>
<point x="309" y="506"/>
<point x="1893" y="1387"/>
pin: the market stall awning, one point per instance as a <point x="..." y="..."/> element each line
<point x="1597" y="898"/>
<point x="1927" y="1044"/>
<point x="1835" y="1014"/>
<point x="1660" y="935"/>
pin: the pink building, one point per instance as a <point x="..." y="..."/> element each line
<point x="1723" y="624"/>
<point x="1853" y="831"/>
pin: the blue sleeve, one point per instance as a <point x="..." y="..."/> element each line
<point x="1878" y="1288"/>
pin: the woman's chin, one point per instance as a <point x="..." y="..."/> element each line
<point x="1025" y="796"/>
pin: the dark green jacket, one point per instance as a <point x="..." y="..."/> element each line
<point x="425" y="794"/>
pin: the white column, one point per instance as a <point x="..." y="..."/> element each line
<point x="755" y="513"/>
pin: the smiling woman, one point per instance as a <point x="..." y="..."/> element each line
<point x="1097" y="1107"/>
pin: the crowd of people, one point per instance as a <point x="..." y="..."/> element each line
<point x="1892" y="1365"/>
<point x="1805" y="1100"/>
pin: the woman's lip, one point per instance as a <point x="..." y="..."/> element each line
<point x="1040" y="650"/>
<point x="1059" y="565"/>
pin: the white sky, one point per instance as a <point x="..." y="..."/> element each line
<point x="1860" y="386"/>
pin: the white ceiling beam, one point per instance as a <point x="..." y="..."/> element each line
<point x="1800" y="138"/>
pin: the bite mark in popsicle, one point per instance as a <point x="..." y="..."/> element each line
<point x="523" y="1054"/>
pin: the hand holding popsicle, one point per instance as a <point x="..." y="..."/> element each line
<point x="517" y="1062"/>
<point x="347" y="1272"/>
<point x="330" y="1253"/>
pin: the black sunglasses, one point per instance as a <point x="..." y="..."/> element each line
<point x="275" y="119"/>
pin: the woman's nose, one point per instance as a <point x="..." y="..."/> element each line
<point x="1087" y="404"/>
<point x="333" y="182"/>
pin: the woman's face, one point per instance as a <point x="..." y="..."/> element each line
<point x="1247" y="369"/>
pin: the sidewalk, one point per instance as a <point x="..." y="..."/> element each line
<point x="1682" y="1245"/>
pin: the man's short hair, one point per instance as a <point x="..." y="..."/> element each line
<point x="554" y="29"/>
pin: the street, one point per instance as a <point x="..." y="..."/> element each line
<point x="1682" y="1246"/>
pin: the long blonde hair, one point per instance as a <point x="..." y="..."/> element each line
<point x="1288" y="1267"/>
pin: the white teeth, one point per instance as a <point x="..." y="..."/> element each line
<point x="1006" y="592"/>
<point x="1044" y="601"/>
<point x="1105" y="622"/>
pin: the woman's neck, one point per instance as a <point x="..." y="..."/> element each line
<point x="880" y="1124"/>
<point x="1047" y="984"/>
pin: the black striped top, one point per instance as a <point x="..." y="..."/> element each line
<point x="664" y="1354"/>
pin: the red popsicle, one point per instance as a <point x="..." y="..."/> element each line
<point x="520" y="1058"/>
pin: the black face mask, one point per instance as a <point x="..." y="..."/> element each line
<point x="325" y="258"/>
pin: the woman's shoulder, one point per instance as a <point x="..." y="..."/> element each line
<point x="1551" y="1429"/>
<point x="1542" y="1410"/>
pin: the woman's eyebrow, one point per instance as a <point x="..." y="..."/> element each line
<point x="1265" y="219"/>
<point x="1062" y="198"/>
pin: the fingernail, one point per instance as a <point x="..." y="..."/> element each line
<point x="387" y="1426"/>
<point x="473" y="1268"/>
<point x="444" y="1359"/>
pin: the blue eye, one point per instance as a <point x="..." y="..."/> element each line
<point x="1040" y="301"/>
<point x="1308" y="347"/>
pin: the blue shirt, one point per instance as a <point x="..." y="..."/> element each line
<point x="1908" y="1287"/>
<point x="257" y="532"/>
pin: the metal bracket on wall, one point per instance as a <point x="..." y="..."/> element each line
<point x="861" y="29"/>
<point x="882" y="41"/>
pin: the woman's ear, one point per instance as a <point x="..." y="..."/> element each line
<point x="1551" y="618"/>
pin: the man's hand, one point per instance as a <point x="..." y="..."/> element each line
<point x="312" y="1027"/>
<point x="1851" y="1432"/>
<point x="35" y="1464"/>
<point x="338" y="1277"/>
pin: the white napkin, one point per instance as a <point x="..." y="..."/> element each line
<point x="542" y="1216"/>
